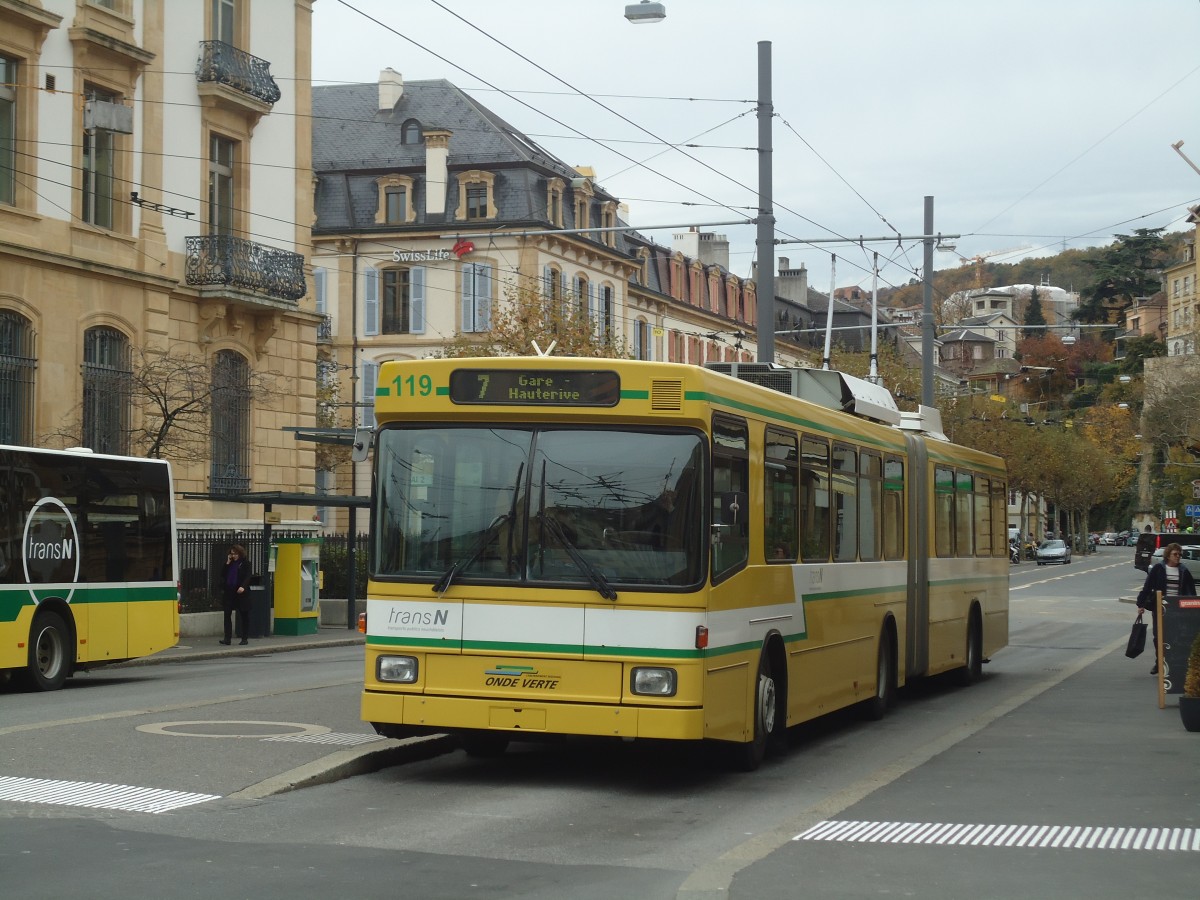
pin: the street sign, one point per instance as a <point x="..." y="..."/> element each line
<point x="1192" y="509"/>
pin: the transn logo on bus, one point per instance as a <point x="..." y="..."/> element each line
<point x="418" y="617"/>
<point x="50" y="545"/>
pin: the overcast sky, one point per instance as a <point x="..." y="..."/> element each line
<point x="1031" y="122"/>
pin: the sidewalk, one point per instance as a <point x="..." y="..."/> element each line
<point x="196" y="647"/>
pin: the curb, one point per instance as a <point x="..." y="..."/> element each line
<point x="172" y="655"/>
<point x="348" y="763"/>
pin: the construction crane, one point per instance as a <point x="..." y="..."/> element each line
<point x="979" y="259"/>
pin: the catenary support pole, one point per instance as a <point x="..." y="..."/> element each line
<point x="765" y="242"/>
<point x="927" y="310"/>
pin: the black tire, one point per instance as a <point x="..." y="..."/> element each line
<point x="50" y="653"/>
<point x="885" y="681"/>
<point x="972" y="669"/>
<point x="484" y="744"/>
<point x="749" y="756"/>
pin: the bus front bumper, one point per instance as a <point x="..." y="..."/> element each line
<point x="430" y="713"/>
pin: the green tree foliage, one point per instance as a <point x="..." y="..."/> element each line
<point x="1035" y="320"/>
<point x="1138" y="350"/>
<point x="1126" y="270"/>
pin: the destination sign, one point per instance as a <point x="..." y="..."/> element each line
<point x="536" y="387"/>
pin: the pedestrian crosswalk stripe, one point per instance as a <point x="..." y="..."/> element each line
<point x="332" y="737"/>
<point x="1067" y="837"/>
<point x="96" y="795"/>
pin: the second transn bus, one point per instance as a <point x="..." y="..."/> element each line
<point x="566" y="546"/>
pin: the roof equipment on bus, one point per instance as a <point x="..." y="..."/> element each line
<point x="824" y="387"/>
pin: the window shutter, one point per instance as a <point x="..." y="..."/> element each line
<point x="483" y="297"/>
<point x="370" y="378"/>
<point x="593" y="314"/>
<point x="547" y="282"/>
<point x="563" y="291"/>
<point x="416" y="287"/>
<point x="467" y="301"/>
<point x="371" y="301"/>
<point x="319" y="289"/>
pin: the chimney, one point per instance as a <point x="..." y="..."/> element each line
<point x="391" y="89"/>
<point x="791" y="283"/>
<point x="437" y="156"/>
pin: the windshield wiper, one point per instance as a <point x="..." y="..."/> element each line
<point x="443" y="584"/>
<point x="594" y="575"/>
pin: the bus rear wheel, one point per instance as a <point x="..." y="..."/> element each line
<point x="49" y="662"/>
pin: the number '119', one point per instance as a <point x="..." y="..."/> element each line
<point x="414" y="386"/>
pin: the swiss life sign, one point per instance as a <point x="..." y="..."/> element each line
<point x="1181" y="623"/>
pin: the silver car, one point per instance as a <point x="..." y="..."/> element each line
<point x="1053" y="552"/>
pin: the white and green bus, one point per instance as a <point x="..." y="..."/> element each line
<point x="88" y="562"/>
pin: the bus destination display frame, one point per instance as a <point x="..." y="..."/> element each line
<point x="535" y="387"/>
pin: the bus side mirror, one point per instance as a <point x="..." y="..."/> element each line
<point x="735" y="508"/>
<point x="361" y="447"/>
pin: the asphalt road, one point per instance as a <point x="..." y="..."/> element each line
<point x="1056" y="776"/>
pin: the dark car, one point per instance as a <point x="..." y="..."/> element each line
<point x="1149" y="541"/>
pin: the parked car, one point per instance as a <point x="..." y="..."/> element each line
<point x="1149" y="541"/>
<point x="1124" y="538"/>
<point x="1109" y="538"/>
<point x="1191" y="553"/>
<point x="1055" y="551"/>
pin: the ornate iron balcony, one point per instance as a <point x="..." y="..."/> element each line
<point x="236" y="68"/>
<point x="228" y="484"/>
<point x="234" y="261"/>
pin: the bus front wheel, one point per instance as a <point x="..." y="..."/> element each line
<point x="749" y="756"/>
<point x="972" y="669"/>
<point x="49" y="660"/>
<point x="885" y="680"/>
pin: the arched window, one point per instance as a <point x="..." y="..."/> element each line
<point x="107" y="379"/>
<point x="230" y="416"/>
<point x="410" y="132"/>
<point x="17" y="366"/>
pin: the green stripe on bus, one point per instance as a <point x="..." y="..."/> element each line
<point x="14" y="598"/>
<point x="634" y="395"/>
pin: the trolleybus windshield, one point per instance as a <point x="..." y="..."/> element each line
<point x="589" y="507"/>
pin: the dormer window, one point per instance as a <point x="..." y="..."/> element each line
<point x="554" y="201"/>
<point x="476" y="196"/>
<point x="395" y="200"/>
<point x="410" y="132"/>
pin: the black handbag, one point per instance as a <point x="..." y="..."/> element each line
<point x="1137" y="638"/>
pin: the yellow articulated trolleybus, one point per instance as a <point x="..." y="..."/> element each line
<point x="87" y="562"/>
<point x="566" y="546"/>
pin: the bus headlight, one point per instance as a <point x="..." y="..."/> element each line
<point x="655" y="682"/>
<point x="396" y="669"/>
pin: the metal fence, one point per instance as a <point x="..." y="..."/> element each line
<point x="202" y="560"/>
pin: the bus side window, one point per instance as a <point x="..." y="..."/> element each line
<point x="780" y="483"/>
<point x="814" y="499"/>
<point x="730" y="479"/>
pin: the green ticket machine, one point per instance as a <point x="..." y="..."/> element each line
<point x="297" y="585"/>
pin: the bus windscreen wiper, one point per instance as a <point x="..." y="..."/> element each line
<point x="594" y="575"/>
<point x="443" y="583"/>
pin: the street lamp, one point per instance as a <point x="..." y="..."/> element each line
<point x="645" y="12"/>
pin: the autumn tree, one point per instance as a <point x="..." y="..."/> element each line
<point x="171" y="398"/>
<point x="527" y="316"/>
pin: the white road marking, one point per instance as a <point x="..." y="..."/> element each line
<point x="96" y="795"/>
<point x="1066" y="837"/>
<point x="342" y="739"/>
